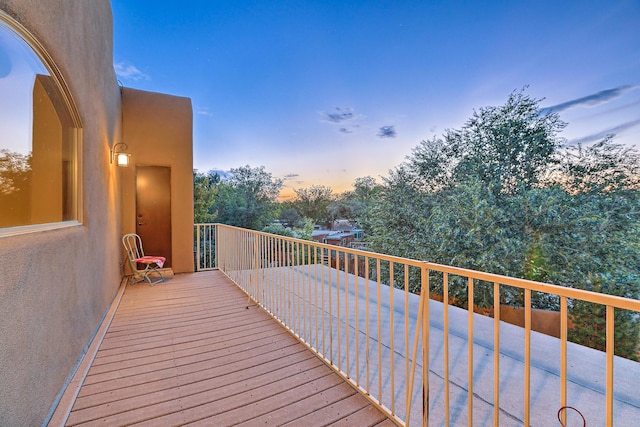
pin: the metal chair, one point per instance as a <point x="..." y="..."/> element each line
<point x="135" y="254"/>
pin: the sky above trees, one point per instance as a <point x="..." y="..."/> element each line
<point x="322" y="92"/>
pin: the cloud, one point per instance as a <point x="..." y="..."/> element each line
<point x="601" y="135"/>
<point x="632" y="105"/>
<point x="291" y="176"/>
<point x="128" y="71"/>
<point x="591" y="100"/>
<point x="387" y="132"/>
<point x="339" y="116"/>
<point x="204" y="111"/>
<point x="347" y="119"/>
<point x="221" y="173"/>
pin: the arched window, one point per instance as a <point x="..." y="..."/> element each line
<point x="39" y="131"/>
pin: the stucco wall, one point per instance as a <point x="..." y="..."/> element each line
<point x="158" y="131"/>
<point x="56" y="285"/>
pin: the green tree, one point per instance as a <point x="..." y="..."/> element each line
<point x="503" y="195"/>
<point x="602" y="167"/>
<point x="15" y="183"/>
<point x="451" y="201"/>
<point x="356" y="204"/>
<point x="302" y="231"/>
<point x="278" y="229"/>
<point x="509" y="147"/>
<point x="15" y="171"/>
<point x="590" y="319"/>
<point x="205" y="188"/>
<point x="289" y="217"/>
<point x="247" y="198"/>
<point x="313" y="202"/>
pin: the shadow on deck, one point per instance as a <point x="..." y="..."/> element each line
<point x="191" y="350"/>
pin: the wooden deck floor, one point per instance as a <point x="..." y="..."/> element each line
<point x="189" y="351"/>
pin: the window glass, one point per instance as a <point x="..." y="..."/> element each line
<point x="38" y="140"/>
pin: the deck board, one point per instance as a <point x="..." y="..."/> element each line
<point x="192" y="350"/>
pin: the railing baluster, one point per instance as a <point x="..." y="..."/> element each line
<point x="379" y="300"/>
<point x="410" y="373"/>
<point x="426" y="321"/>
<point x="356" y="275"/>
<point x="367" y="323"/>
<point x="297" y="247"/>
<point x="324" y="285"/>
<point x="346" y="313"/>
<point x="256" y="266"/>
<point x="303" y="292"/>
<point x="406" y="337"/>
<point x="202" y="251"/>
<point x="211" y="236"/>
<point x="271" y="280"/>
<point x="496" y="353"/>
<point x="290" y="295"/>
<point x="330" y="314"/>
<point x="563" y="356"/>
<point x="309" y="300"/>
<point x="212" y="239"/>
<point x="279" y="283"/>
<point x="445" y="301"/>
<point x="470" y="300"/>
<point x="315" y="294"/>
<point x="198" y="249"/>
<point x="339" y="320"/>
<point x="610" y="351"/>
<point x="291" y="314"/>
<point x="392" y="348"/>
<point x="527" y="357"/>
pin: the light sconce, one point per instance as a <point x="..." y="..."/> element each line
<point x="120" y="155"/>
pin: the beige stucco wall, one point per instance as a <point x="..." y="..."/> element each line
<point x="158" y="131"/>
<point x="56" y="285"/>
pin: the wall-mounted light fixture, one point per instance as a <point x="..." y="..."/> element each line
<point x="120" y="155"/>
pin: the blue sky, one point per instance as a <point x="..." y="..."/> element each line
<point x="322" y="92"/>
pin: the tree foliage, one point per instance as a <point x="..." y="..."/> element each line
<point x="247" y="198"/>
<point x="356" y="205"/>
<point x="290" y="218"/>
<point x="302" y="230"/>
<point x="313" y="202"/>
<point x="205" y="188"/>
<point x="508" y="147"/>
<point x="15" y="171"/>
<point x="15" y="184"/>
<point x="278" y="229"/>
<point x="602" y="167"/>
<point x="504" y="195"/>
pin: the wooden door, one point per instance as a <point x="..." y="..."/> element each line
<point x="153" y="210"/>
